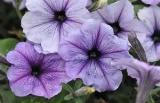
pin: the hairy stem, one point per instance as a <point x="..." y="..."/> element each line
<point x="17" y="9"/>
<point x="143" y="92"/>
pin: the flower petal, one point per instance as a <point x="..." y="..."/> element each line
<point x="17" y="59"/>
<point x="16" y="73"/>
<point x="101" y="77"/>
<point x="148" y="19"/>
<point x="36" y="25"/>
<point x="151" y="2"/>
<point x="119" y="11"/>
<point x="28" y="51"/>
<point x="55" y="65"/>
<point x="40" y="5"/>
<point x="23" y="86"/>
<point x="51" y="84"/>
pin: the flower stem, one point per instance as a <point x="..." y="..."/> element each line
<point x="4" y="61"/>
<point x="143" y="92"/>
<point x="17" y="9"/>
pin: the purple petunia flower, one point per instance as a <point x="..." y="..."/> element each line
<point x="90" y="53"/>
<point x="21" y="6"/>
<point x="34" y="73"/>
<point x="48" y="21"/>
<point x="151" y="16"/>
<point x="120" y="15"/>
<point x="151" y="2"/>
<point x="147" y="77"/>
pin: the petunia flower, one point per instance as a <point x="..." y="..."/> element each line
<point x="48" y="21"/>
<point x="151" y="16"/>
<point x="147" y="77"/>
<point x="151" y="2"/>
<point x="120" y="15"/>
<point x="90" y="53"/>
<point x="34" y="73"/>
<point x="21" y="6"/>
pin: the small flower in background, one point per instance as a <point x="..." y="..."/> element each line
<point x="21" y="6"/>
<point x="34" y="73"/>
<point x="151" y="2"/>
<point x="151" y="16"/>
<point x="90" y="53"/>
<point x="48" y="21"/>
<point x="120" y="15"/>
<point x="147" y="77"/>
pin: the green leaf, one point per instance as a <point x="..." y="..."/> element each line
<point x="68" y="88"/>
<point x="111" y="1"/>
<point x="78" y="84"/>
<point x="138" y="7"/>
<point x="68" y="97"/>
<point x="6" y="95"/>
<point x="6" y="45"/>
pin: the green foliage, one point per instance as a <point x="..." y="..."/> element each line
<point x="7" y="45"/>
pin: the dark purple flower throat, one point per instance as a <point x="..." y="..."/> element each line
<point x="156" y="36"/>
<point x="94" y="54"/>
<point x="60" y="16"/>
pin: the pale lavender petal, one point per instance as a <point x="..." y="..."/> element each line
<point x="151" y="2"/>
<point x="136" y="26"/>
<point x="156" y="10"/>
<point x="51" y="40"/>
<point x="151" y="50"/>
<point x="79" y="4"/>
<point x="147" y="15"/>
<point x="74" y="68"/>
<point x="155" y="74"/>
<point x="55" y="65"/>
<point x="136" y="69"/>
<point x="127" y="12"/>
<point x="121" y="11"/>
<point x="100" y="77"/>
<point x="43" y="6"/>
<point x="36" y="25"/>
<point x="89" y="2"/>
<point x="53" y="62"/>
<point x="70" y="49"/>
<point x="51" y="83"/>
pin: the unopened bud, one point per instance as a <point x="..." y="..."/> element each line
<point x="97" y="4"/>
<point x="84" y="91"/>
<point x="80" y="92"/>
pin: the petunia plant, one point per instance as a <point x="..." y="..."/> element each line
<point x="80" y="51"/>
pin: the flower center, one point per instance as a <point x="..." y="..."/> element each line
<point x="116" y="27"/>
<point x="94" y="53"/>
<point x="60" y="16"/>
<point x="36" y="70"/>
<point x="156" y="36"/>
